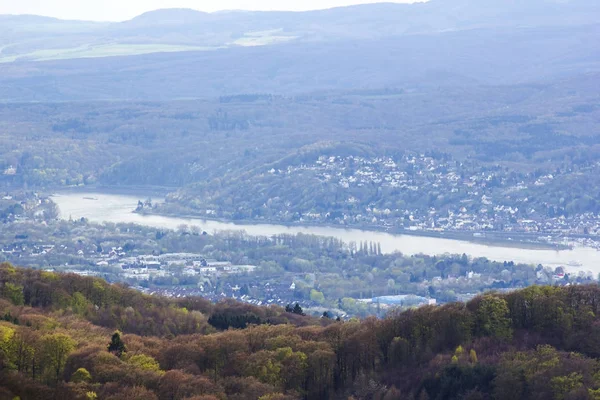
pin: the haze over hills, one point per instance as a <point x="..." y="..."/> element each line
<point x="445" y="42"/>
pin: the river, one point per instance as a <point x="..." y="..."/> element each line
<point x="100" y="207"/>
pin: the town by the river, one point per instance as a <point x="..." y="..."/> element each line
<point x="115" y="208"/>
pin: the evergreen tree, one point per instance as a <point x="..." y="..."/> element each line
<point x="298" y="310"/>
<point x="245" y="290"/>
<point x="116" y="345"/>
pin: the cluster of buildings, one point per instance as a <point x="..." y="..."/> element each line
<point x="402" y="300"/>
<point x="21" y="250"/>
<point x="434" y="193"/>
<point x="182" y="264"/>
<point x="10" y="171"/>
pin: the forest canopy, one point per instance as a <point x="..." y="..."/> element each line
<point x="81" y="338"/>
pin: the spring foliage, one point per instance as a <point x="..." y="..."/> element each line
<point x="540" y="342"/>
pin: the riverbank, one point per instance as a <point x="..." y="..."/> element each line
<point x="509" y="240"/>
<point x="512" y="240"/>
<point x="142" y="192"/>
<point x="118" y="209"/>
<point x="497" y="239"/>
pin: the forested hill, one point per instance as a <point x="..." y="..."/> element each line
<point x="58" y="340"/>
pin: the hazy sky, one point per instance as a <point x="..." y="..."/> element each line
<point x="119" y="10"/>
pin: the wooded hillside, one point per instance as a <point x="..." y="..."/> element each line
<point x="58" y="339"/>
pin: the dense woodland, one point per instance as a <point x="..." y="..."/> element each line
<point x="64" y="336"/>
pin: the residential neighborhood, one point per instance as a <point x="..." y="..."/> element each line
<point x="351" y="280"/>
<point x="434" y="193"/>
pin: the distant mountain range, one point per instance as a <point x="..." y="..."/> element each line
<point x="180" y="53"/>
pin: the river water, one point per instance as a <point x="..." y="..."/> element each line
<point x="99" y="207"/>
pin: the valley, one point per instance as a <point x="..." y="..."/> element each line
<point x="385" y="201"/>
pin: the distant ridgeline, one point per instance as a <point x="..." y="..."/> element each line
<point x="65" y="336"/>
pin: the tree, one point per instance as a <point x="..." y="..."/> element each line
<point x="245" y="290"/>
<point x="594" y="394"/>
<point x="14" y="293"/>
<point x="82" y="375"/>
<point x="562" y="385"/>
<point x="55" y="350"/>
<point x="269" y="371"/>
<point x="399" y="350"/>
<point x="473" y="356"/>
<point x="295" y="309"/>
<point x="7" y="356"/>
<point x="459" y="351"/>
<point x="298" y="310"/>
<point x="349" y="304"/>
<point x="52" y="211"/>
<point x="116" y="345"/>
<point x="317" y="296"/>
<point x="492" y="318"/>
<point x="292" y="368"/>
<point x="144" y="362"/>
<point x="176" y="385"/>
<point x="79" y="303"/>
<point x="25" y="350"/>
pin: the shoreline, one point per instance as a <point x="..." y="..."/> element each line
<point x="526" y="241"/>
<point x="465" y="236"/>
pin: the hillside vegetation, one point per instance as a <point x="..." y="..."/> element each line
<point x="57" y="340"/>
<point x="232" y="137"/>
<point x="254" y="156"/>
